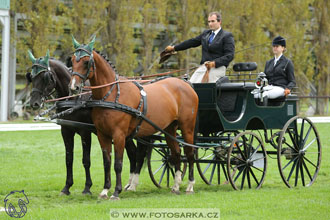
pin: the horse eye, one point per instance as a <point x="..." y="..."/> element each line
<point x="86" y="64"/>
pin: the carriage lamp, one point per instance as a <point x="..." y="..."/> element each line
<point x="261" y="80"/>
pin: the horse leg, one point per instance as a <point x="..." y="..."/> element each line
<point x="188" y="136"/>
<point x="175" y="156"/>
<point x="119" y="143"/>
<point x="68" y="138"/>
<point x="106" y="143"/>
<point x="141" y="153"/>
<point x="131" y="153"/>
<point x="86" y="147"/>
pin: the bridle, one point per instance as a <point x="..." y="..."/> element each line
<point x="80" y="53"/>
<point x="47" y="73"/>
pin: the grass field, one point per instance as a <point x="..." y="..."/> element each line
<point x="34" y="162"/>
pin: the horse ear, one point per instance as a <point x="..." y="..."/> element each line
<point x="76" y="45"/>
<point x="28" y="77"/>
<point x="91" y="44"/>
<point x="31" y="56"/>
<point x="47" y="58"/>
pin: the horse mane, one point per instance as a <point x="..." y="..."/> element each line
<point x="107" y="60"/>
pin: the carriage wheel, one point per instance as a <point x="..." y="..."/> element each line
<point x="246" y="161"/>
<point x="160" y="170"/>
<point x="299" y="152"/>
<point x="211" y="160"/>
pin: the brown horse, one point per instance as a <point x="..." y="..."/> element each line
<point x="171" y="104"/>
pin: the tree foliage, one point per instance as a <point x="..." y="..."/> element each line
<point x="132" y="33"/>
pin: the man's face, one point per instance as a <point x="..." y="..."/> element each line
<point x="213" y="23"/>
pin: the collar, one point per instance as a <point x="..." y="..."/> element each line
<point x="278" y="58"/>
<point x="216" y="31"/>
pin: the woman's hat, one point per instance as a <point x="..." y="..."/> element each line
<point x="279" y="41"/>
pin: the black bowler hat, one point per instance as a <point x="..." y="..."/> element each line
<point x="279" y="41"/>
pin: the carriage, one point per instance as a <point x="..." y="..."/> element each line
<point x="230" y="141"/>
<point x="228" y="136"/>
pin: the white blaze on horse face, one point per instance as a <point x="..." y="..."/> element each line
<point x="73" y="82"/>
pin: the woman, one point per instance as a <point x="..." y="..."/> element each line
<point x="279" y="73"/>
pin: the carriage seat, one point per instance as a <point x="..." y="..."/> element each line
<point x="228" y="93"/>
<point x="247" y="66"/>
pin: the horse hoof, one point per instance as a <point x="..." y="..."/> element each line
<point x="189" y="192"/>
<point x="126" y="187"/>
<point x="64" y="193"/>
<point x="175" y="192"/>
<point x="103" y="196"/>
<point x="114" y="198"/>
<point x="131" y="188"/>
<point x="86" y="192"/>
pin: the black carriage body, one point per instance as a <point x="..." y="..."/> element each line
<point x="231" y="106"/>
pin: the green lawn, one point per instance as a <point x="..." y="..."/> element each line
<point x="34" y="161"/>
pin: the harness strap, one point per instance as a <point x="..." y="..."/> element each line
<point x="143" y="101"/>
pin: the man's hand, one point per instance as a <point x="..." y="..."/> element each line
<point x="169" y="48"/>
<point x="287" y="91"/>
<point x="209" y="64"/>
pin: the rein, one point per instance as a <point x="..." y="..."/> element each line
<point x="162" y="74"/>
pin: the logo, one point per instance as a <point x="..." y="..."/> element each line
<point x="15" y="204"/>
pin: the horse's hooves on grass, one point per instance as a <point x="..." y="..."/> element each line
<point x="114" y="198"/>
<point x="189" y="192"/>
<point x="103" y="197"/>
<point x="64" y="193"/>
<point x="175" y="192"/>
<point x="85" y="192"/>
<point x="126" y="187"/>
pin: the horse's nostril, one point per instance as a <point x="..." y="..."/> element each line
<point x="77" y="88"/>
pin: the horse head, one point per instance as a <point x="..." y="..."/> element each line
<point x="83" y="65"/>
<point x="42" y="79"/>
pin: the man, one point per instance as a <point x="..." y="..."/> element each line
<point x="218" y="48"/>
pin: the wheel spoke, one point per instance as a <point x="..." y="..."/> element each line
<point x="162" y="175"/>
<point x="238" y="158"/>
<point x="305" y="148"/>
<point x="243" y="178"/>
<point x="302" y="173"/>
<point x="310" y="162"/>
<point x="261" y="158"/>
<point x="302" y="132"/>
<point x="292" y="168"/>
<point x="291" y="147"/>
<point x="212" y="173"/>
<point x="159" y="152"/>
<point x="159" y="168"/>
<point x="240" y="151"/>
<point x="248" y="177"/>
<point x="293" y="159"/>
<point x="297" y="172"/>
<point x="293" y="141"/>
<point x="258" y="169"/>
<point x="306" y="168"/>
<point x="254" y="177"/>
<point x="307" y="135"/>
<point x="239" y="173"/>
<point x="255" y="151"/>
<point x="224" y="171"/>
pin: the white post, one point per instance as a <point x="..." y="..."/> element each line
<point x="5" y="21"/>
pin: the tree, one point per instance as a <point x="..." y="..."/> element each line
<point x="43" y="29"/>
<point x="321" y="30"/>
<point x="118" y="37"/>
